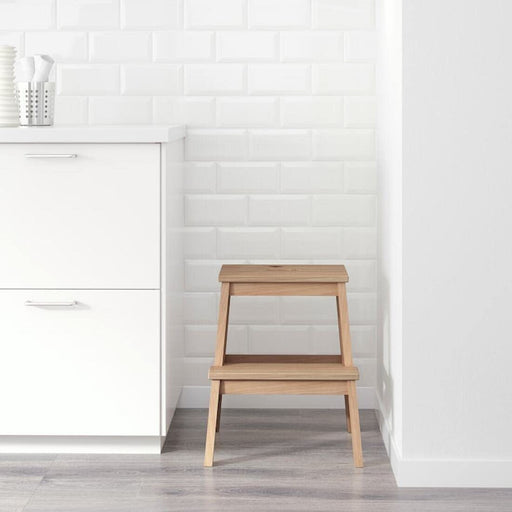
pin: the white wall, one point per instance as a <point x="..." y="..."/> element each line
<point x="279" y="96"/>
<point x="389" y="155"/>
<point x="456" y="225"/>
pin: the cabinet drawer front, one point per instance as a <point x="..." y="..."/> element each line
<point x="79" y="215"/>
<point x="78" y="362"/>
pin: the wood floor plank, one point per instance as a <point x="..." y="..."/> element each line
<point x="286" y="460"/>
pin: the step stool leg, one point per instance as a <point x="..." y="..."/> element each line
<point x="344" y="334"/>
<point x="222" y="334"/>
<point x="215" y="396"/>
<point x="219" y="406"/>
<point x="212" y="423"/>
<point x="357" y="449"/>
<point x="347" y="413"/>
<point x="343" y="325"/>
<point x="222" y="326"/>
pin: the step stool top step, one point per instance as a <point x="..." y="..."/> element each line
<point x="283" y="274"/>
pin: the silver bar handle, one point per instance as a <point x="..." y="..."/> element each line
<point x="68" y="303"/>
<point x="50" y="155"/>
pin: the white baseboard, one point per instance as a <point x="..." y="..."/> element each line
<point x="82" y="444"/>
<point x="443" y="472"/>
<point x="454" y="473"/>
<point x="388" y="439"/>
<point x="198" y="397"/>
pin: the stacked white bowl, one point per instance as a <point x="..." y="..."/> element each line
<point x="8" y="103"/>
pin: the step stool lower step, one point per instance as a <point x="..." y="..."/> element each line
<point x="284" y="371"/>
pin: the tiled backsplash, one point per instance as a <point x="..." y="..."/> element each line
<point x="279" y="98"/>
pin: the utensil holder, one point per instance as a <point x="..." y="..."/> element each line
<point x="36" y="102"/>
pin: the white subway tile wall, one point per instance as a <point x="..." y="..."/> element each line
<point x="64" y="46"/>
<point x="147" y="79"/>
<point x="118" y="46"/>
<point x="279" y="100"/>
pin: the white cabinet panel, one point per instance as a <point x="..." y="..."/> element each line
<point x="90" y="221"/>
<point x="80" y="370"/>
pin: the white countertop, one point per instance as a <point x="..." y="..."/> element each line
<point x="117" y="133"/>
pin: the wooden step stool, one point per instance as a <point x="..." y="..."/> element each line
<point x="284" y="374"/>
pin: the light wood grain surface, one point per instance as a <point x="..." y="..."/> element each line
<point x="222" y="326"/>
<point x="283" y="274"/>
<point x="284" y="371"/>
<point x="283" y="358"/>
<point x="289" y="289"/>
<point x="283" y="387"/>
<point x="278" y="375"/>
<point x="213" y="425"/>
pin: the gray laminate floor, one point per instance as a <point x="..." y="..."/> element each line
<point x="267" y="460"/>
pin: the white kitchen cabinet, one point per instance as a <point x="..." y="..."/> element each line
<point x="91" y="286"/>
<point x="80" y="215"/>
<point x="83" y="362"/>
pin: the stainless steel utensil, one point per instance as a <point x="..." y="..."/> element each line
<point x="36" y="102"/>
